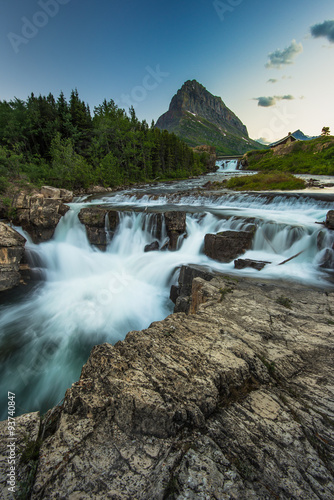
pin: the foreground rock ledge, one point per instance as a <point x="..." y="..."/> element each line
<point x="234" y="401"/>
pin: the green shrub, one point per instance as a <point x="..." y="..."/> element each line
<point x="3" y="184"/>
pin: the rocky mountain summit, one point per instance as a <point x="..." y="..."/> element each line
<point x="232" y="400"/>
<point x="198" y="117"/>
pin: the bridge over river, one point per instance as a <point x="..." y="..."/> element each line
<point x="229" y="157"/>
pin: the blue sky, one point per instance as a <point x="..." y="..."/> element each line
<point x="140" y="53"/>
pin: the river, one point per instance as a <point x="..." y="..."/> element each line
<point x="84" y="297"/>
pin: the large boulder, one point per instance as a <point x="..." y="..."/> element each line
<point x="11" y="253"/>
<point x="57" y="194"/>
<point x="228" y="245"/>
<point x="44" y="216"/>
<point x="94" y="220"/>
<point x="175" y="227"/>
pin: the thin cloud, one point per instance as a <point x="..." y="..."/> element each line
<point x="280" y="58"/>
<point x="325" y="29"/>
<point x="272" y="80"/>
<point x="266" y="102"/>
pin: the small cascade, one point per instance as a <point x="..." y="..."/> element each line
<point x="227" y="165"/>
<point x="87" y="296"/>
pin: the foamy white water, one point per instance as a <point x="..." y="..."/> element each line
<point x="227" y="165"/>
<point x="89" y="297"/>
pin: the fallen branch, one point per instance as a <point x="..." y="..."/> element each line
<point x="293" y="257"/>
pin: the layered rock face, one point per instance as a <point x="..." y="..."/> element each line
<point x="101" y="224"/>
<point x="40" y="213"/>
<point x="11" y="253"/>
<point x="94" y="220"/>
<point x="175" y="227"/>
<point x="198" y="117"/>
<point x="232" y="401"/>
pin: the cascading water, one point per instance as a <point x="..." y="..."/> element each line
<point x="87" y="297"/>
<point x="227" y="165"/>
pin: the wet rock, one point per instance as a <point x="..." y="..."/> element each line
<point x="232" y="402"/>
<point x="330" y="219"/>
<point x="327" y="259"/>
<point x="181" y="294"/>
<point x="255" y="264"/>
<point x="152" y="246"/>
<point x="175" y="227"/>
<point x="227" y="245"/>
<point x="11" y="254"/>
<point x="174" y="293"/>
<point x="94" y="220"/>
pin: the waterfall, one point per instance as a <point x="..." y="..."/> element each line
<point x="227" y="165"/>
<point x="85" y="296"/>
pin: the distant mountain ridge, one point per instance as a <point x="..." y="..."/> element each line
<point x="298" y="134"/>
<point x="198" y="117"/>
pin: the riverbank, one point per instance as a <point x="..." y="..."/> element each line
<point x="232" y="400"/>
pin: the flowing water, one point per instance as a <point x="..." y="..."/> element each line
<point x="227" y="165"/>
<point x="85" y="297"/>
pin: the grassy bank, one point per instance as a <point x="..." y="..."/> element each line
<point x="315" y="157"/>
<point x="266" y="181"/>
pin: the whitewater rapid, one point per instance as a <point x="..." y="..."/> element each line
<point x="86" y="296"/>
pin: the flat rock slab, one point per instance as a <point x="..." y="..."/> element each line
<point x="234" y="401"/>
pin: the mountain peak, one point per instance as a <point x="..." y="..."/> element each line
<point x="199" y="117"/>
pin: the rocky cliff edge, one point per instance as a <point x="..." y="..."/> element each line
<point x="231" y="401"/>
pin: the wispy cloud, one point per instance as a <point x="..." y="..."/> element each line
<point x="266" y="102"/>
<point x="280" y="58"/>
<point x="272" y="80"/>
<point x="325" y="29"/>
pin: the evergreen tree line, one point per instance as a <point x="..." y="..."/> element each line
<point x="55" y="142"/>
